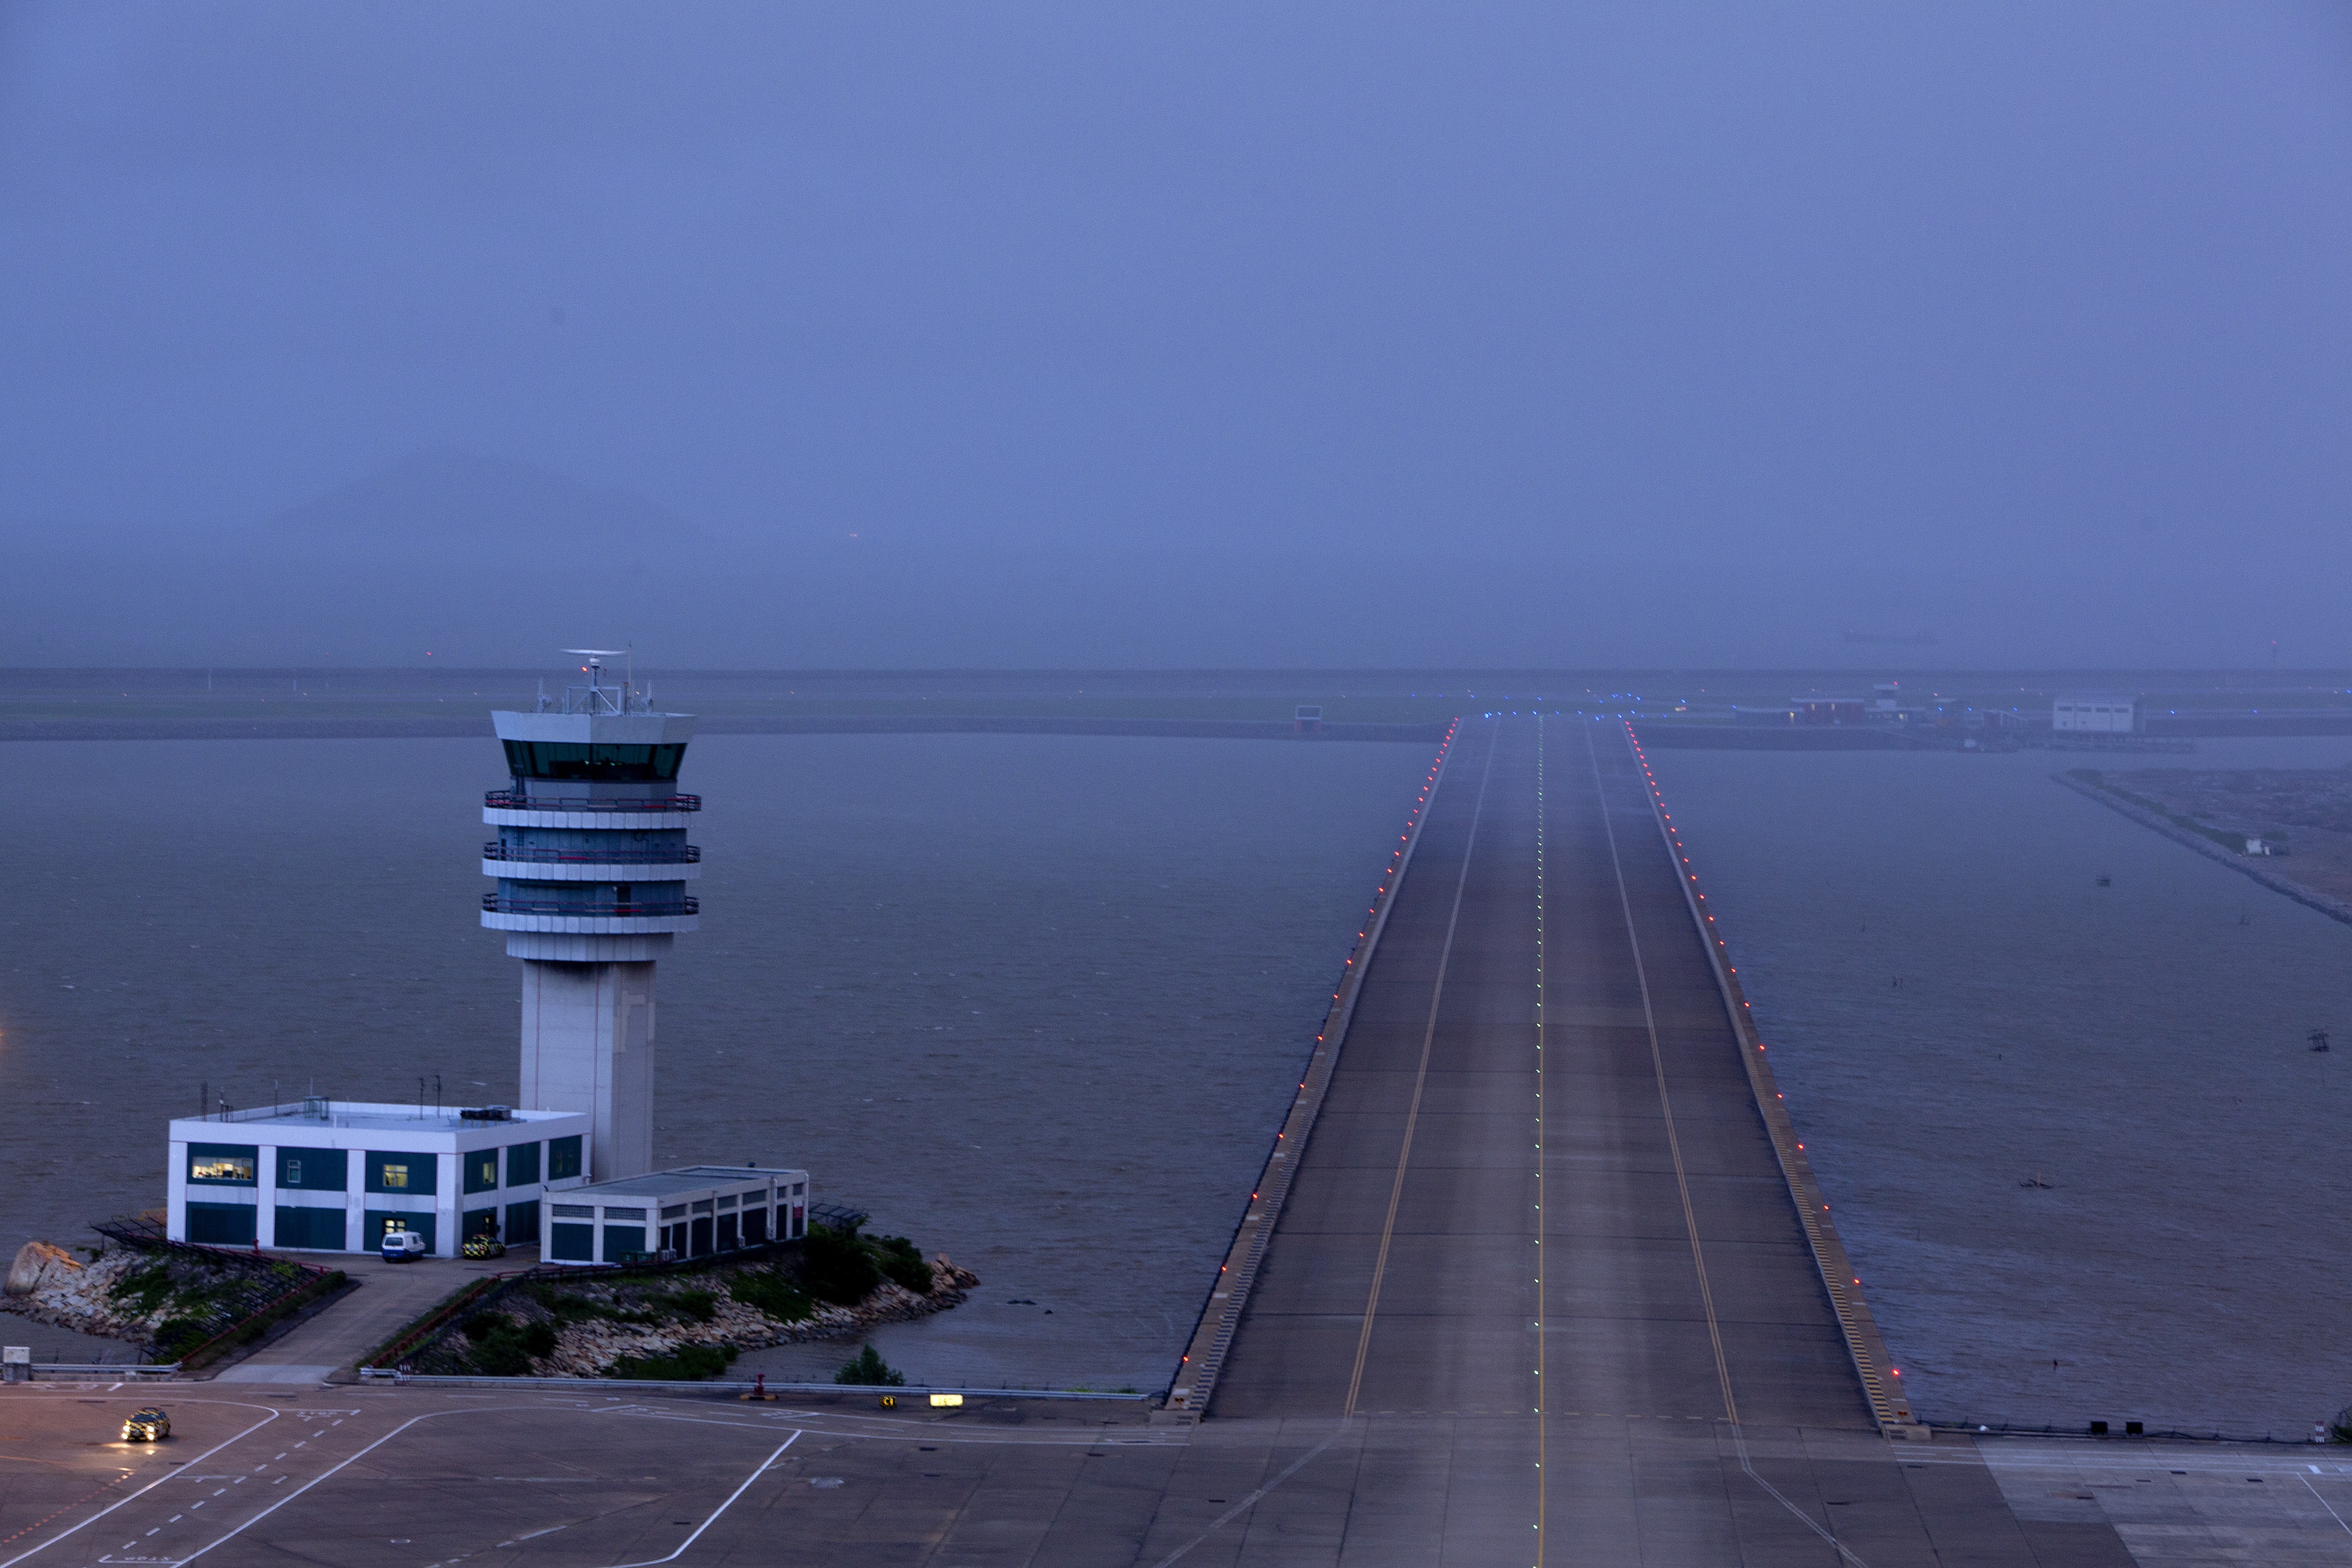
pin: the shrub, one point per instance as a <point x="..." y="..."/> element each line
<point x="700" y="1305"/>
<point x="148" y="1286"/>
<point x="770" y="1291"/>
<point x="687" y="1363"/>
<point x="507" y="1349"/>
<point x="867" y="1367"/>
<point x="837" y="1267"/>
<point x="902" y="1263"/>
<point x="178" y="1334"/>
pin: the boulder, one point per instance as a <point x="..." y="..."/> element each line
<point x="38" y="1263"/>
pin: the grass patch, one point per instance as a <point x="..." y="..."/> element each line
<point x="687" y="1363"/>
<point x="772" y="1291"/>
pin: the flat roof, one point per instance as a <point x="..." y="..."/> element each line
<point x="367" y="1115"/>
<point x="685" y="1179"/>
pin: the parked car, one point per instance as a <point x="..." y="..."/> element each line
<point x="147" y="1426"/>
<point x="404" y="1246"/>
<point x="484" y="1247"/>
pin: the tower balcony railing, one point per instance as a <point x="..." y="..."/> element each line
<point x="536" y="855"/>
<point x="493" y="904"/>
<point x="516" y="800"/>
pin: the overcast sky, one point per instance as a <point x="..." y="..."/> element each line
<point x="1179" y="334"/>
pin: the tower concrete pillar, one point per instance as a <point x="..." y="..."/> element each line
<point x="592" y="866"/>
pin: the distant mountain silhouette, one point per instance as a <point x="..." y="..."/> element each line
<point x="447" y="493"/>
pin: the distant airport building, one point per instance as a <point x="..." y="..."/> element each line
<point x="593" y="868"/>
<point x="691" y="1212"/>
<point x="332" y="1176"/>
<point x="2095" y="716"/>
<point x="1306" y="720"/>
<point x="1742" y="713"/>
<point x="1829" y="710"/>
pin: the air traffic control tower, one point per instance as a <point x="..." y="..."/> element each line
<point x="593" y="869"/>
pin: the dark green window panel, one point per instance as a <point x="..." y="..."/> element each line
<point x="562" y="1158"/>
<point x="480" y="1222"/>
<point x="571" y="1243"/>
<point x="314" y="1170"/>
<point x="522" y="1224"/>
<point x="221" y="1224"/>
<point x="400" y="1173"/>
<point x="313" y="1229"/>
<point x="223" y="1165"/>
<point x="377" y="1218"/>
<point x="755" y="1227"/>
<point x="522" y="1165"/>
<point x="481" y="1168"/>
<point x="622" y="1238"/>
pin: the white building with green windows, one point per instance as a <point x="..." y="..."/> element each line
<point x="332" y="1176"/>
<point x="694" y="1211"/>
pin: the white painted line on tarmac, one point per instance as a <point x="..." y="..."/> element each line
<point x="722" y="1507"/>
<point x="151" y="1486"/>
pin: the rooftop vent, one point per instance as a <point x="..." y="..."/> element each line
<point x="487" y="1113"/>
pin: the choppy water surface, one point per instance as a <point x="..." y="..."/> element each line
<point x="1957" y="1007"/>
<point x="1038" y="1002"/>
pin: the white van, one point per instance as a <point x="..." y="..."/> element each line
<point x="404" y="1246"/>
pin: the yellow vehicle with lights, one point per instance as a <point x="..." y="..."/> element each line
<point x="147" y="1426"/>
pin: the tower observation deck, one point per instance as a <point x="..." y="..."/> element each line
<point x="592" y="866"/>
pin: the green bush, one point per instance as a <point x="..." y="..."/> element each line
<point x="700" y="1305"/>
<point x="147" y="1286"/>
<point x="770" y="1291"/>
<point x="180" y="1334"/>
<point x="502" y="1347"/>
<point x="688" y="1364"/>
<point x="837" y="1267"/>
<point x="867" y="1367"/>
<point x="902" y="1263"/>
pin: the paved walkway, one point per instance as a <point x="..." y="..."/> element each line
<point x="325" y="1347"/>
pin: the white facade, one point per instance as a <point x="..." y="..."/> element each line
<point x="2095" y="716"/>
<point x="691" y="1212"/>
<point x="593" y="872"/>
<point x="330" y="1175"/>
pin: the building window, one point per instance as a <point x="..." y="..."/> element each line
<point x="311" y="1230"/>
<point x="755" y="1227"/>
<point x="482" y="1171"/>
<point x="379" y="1220"/>
<point x="314" y="1170"/>
<point x="562" y="1158"/>
<point x="221" y="1224"/>
<point x="522" y="1165"/>
<point x="223" y="1165"/>
<point x="400" y="1173"/>
<point x="625" y="1243"/>
<point x="522" y="1224"/>
<point x="572" y="1242"/>
<point x="481" y="1222"/>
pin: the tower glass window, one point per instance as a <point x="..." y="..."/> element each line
<point x="562" y="1158"/>
<point x="481" y="1170"/>
<point x="595" y="761"/>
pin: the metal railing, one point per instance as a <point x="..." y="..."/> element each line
<point x="517" y="800"/>
<point x="492" y="903"/>
<point x="533" y="854"/>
